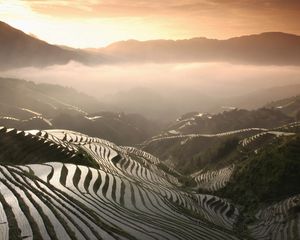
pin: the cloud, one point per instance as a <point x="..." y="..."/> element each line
<point x="183" y="18"/>
<point x="121" y="8"/>
<point x="166" y="91"/>
<point x="216" y="79"/>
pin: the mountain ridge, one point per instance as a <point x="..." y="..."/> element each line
<point x="18" y="49"/>
<point x="268" y="48"/>
<point x="27" y="105"/>
<point x="274" y="33"/>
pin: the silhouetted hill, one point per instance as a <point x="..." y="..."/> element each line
<point x="45" y="99"/>
<point x="18" y="49"/>
<point x="266" y="48"/>
<point x="26" y="105"/>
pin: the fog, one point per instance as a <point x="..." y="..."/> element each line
<point x="149" y="87"/>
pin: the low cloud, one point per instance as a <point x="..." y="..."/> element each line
<point x="119" y="8"/>
<point x="166" y="91"/>
<point x="215" y="79"/>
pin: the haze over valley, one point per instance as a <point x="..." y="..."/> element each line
<point x="180" y="83"/>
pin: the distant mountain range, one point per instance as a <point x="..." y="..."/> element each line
<point x="266" y="48"/>
<point x="18" y="49"/>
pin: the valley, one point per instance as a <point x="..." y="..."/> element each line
<point x="200" y="177"/>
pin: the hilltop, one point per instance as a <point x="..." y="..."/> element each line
<point x="26" y="105"/>
<point x="18" y="49"/>
<point x="269" y="48"/>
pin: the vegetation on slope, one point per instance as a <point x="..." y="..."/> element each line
<point x="197" y="153"/>
<point x="268" y="176"/>
<point x="193" y="143"/>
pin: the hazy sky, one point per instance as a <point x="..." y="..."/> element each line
<point x="95" y="23"/>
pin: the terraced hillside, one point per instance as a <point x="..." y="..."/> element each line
<point x="195" y="144"/>
<point x="266" y="184"/>
<point x="57" y="184"/>
<point x="66" y="185"/>
<point x="256" y="168"/>
<point x="229" y="120"/>
<point x="278" y="221"/>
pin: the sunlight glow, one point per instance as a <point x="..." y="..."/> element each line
<point x="97" y="23"/>
<point x="79" y="33"/>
